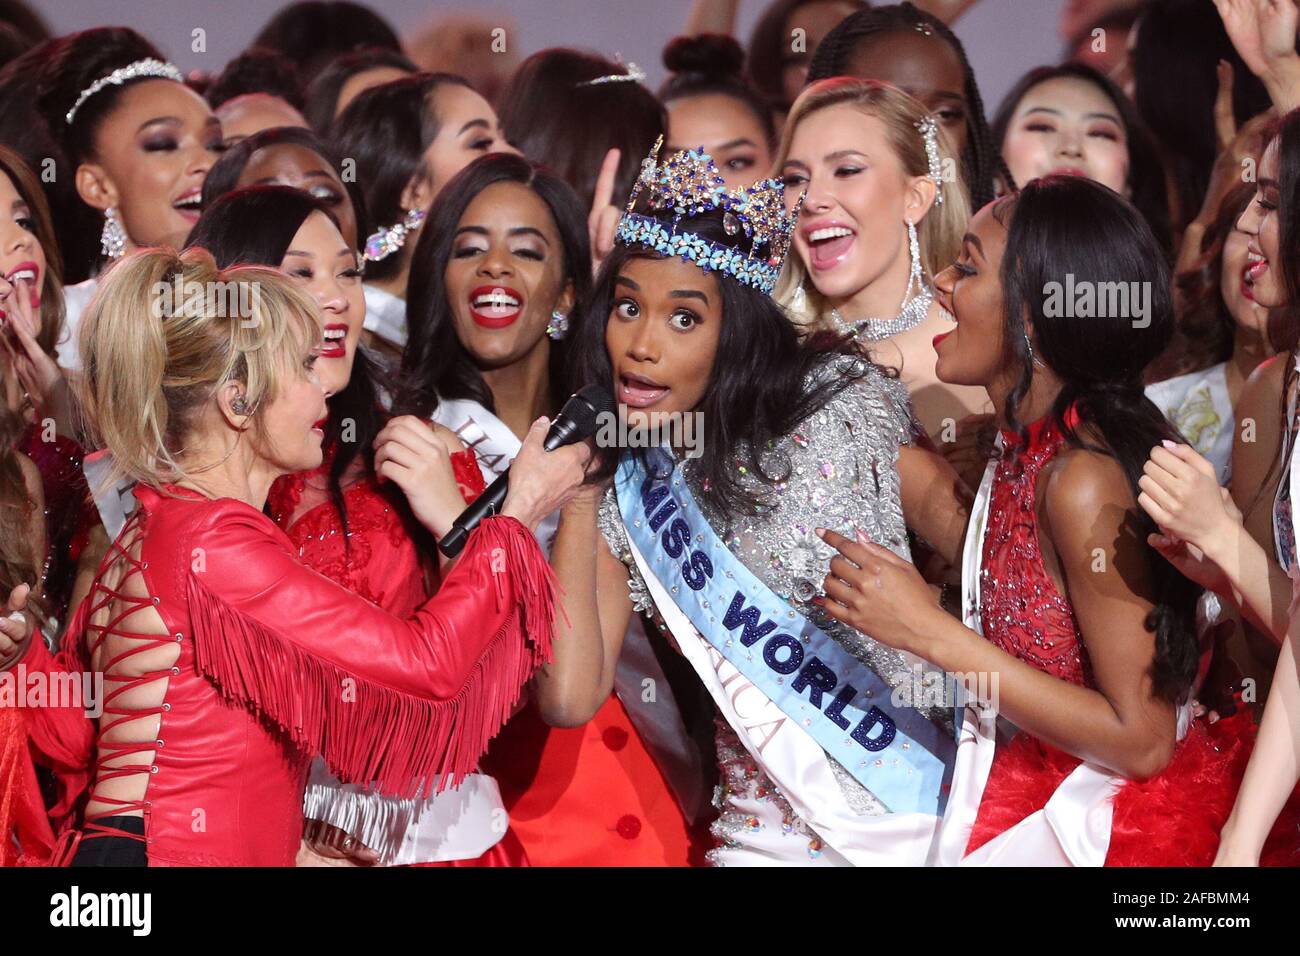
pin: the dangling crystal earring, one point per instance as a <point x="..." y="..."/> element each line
<point x="112" y="241"/>
<point x="915" y="279"/>
<point x="1029" y="347"/>
<point x="558" y="327"/>
<point x="382" y="244"/>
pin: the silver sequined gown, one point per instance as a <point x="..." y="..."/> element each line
<point x="843" y="474"/>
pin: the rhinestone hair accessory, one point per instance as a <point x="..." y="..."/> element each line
<point x="929" y="130"/>
<point x="687" y="184"/>
<point x="634" y="74"/>
<point x="132" y="71"/>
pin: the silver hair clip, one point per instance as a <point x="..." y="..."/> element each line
<point x="634" y="74"/>
<point x="925" y="28"/>
<point x="132" y="71"/>
<point x="929" y="130"/>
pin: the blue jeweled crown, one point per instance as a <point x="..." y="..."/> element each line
<point x="688" y="184"/>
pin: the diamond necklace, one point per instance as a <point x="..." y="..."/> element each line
<point x="911" y="315"/>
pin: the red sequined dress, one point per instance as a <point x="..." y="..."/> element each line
<point x="69" y="510"/>
<point x="377" y="557"/>
<point x="1172" y="819"/>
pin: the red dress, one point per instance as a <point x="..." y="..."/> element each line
<point x="275" y="663"/>
<point x="70" y="512"/>
<point x="376" y="558"/>
<point x="1172" y="819"/>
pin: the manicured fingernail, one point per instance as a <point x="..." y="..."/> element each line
<point x="1171" y="445"/>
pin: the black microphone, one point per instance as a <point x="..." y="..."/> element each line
<point x="578" y="419"/>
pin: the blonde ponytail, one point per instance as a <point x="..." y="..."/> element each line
<point x="164" y="332"/>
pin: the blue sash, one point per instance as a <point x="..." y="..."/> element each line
<point x="894" y="752"/>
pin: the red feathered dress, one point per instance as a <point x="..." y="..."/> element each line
<point x="1174" y="818"/>
<point x="274" y="663"/>
<point x="375" y="557"/>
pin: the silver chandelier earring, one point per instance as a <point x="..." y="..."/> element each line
<point x="382" y="244"/>
<point x="112" y="241"/>
<point x="558" y="327"/>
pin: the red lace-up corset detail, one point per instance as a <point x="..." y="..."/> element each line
<point x="112" y="646"/>
<point x="1022" y="611"/>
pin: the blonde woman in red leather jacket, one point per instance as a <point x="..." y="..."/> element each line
<point x="226" y="664"/>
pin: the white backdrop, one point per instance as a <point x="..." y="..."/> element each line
<point x="1003" y="37"/>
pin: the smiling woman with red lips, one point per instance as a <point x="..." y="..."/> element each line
<point x="409" y="137"/>
<point x="1095" y="671"/>
<point x="344" y="521"/>
<point x="499" y="270"/>
<point x="140" y="145"/>
<point x="205" y="411"/>
<point x="31" y="320"/>
<point x="1222" y="338"/>
<point x="853" y="149"/>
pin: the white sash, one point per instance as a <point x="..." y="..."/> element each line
<point x="658" y="722"/>
<point x="794" y="761"/>
<point x="1073" y="827"/>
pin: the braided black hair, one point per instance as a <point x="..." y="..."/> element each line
<point x="981" y="158"/>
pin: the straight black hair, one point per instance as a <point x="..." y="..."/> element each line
<point x="255" y="226"/>
<point x="313" y="32"/>
<point x="386" y="131"/>
<point x="982" y="157"/>
<point x="554" y="115"/>
<point x="1146" y="175"/>
<point x="1175" y="58"/>
<point x="224" y="175"/>
<point x="323" y="94"/>
<point x="769" y="50"/>
<point x="713" y="63"/>
<point x="257" y="70"/>
<point x="435" y="365"/>
<point x="1063" y="226"/>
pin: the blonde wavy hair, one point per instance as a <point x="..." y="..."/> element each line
<point x="939" y="232"/>
<point x="164" y="332"/>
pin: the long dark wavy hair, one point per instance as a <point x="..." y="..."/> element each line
<point x="982" y="157"/>
<point x="1066" y="225"/>
<point x="435" y="365"/>
<point x="255" y="226"/>
<point x="758" y="388"/>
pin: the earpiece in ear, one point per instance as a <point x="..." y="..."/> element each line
<point x="239" y="405"/>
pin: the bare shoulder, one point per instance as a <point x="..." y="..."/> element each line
<point x="1086" y="491"/>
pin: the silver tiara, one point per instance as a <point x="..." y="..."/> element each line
<point x="930" y="131"/>
<point x="634" y="74"/>
<point x="132" y="71"/>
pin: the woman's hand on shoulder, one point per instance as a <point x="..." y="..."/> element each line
<point x="414" y="456"/>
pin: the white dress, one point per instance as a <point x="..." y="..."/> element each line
<point x="1197" y="404"/>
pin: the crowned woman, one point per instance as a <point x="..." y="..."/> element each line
<point x="824" y="759"/>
